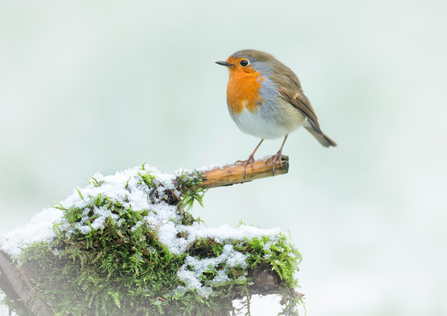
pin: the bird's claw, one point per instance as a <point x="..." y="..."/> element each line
<point x="250" y="160"/>
<point x="274" y="159"/>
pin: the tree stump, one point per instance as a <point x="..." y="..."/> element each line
<point x="18" y="282"/>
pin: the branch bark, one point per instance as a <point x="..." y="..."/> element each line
<point x="232" y="174"/>
<point x="17" y="285"/>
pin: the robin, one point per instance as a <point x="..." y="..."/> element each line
<point x="265" y="99"/>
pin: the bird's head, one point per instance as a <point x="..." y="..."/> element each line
<point x="249" y="61"/>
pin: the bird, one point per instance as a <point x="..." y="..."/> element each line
<point x="265" y="99"/>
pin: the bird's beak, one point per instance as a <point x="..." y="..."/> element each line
<point x="224" y="63"/>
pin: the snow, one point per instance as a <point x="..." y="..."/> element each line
<point x="40" y="228"/>
<point x="212" y="167"/>
<point x="229" y="257"/>
<point x="126" y="188"/>
<point x="167" y="234"/>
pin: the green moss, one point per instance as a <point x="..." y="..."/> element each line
<point x="123" y="269"/>
<point x="185" y="183"/>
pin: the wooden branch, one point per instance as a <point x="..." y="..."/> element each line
<point x="232" y="174"/>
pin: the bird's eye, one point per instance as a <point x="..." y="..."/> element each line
<point x="244" y="63"/>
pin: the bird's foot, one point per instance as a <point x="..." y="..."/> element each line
<point x="274" y="159"/>
<point x="250" y="160"/>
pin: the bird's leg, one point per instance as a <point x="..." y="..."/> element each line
<point x="277" y="156"/>
<point x="250" y="159"/>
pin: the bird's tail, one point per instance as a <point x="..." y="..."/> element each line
<point x="319" y="135"/>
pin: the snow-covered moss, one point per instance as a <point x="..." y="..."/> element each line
<point x="125" y="245"/>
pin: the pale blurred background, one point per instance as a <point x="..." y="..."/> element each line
<point x="90" y="86"/>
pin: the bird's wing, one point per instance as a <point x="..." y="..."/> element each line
<point x="290" y="88"/>
<point x="302" y="103"/>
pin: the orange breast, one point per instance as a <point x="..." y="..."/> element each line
<point x="243" y="90"/>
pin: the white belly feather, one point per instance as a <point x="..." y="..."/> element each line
<point x="270" y="121"/>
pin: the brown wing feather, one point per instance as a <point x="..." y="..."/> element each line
<point x="301" y="102"/>
<point x="290" y="88"/>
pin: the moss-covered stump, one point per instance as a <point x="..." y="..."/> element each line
<point x="127" y="245"/>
